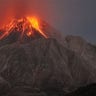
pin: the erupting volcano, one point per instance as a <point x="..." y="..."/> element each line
<point x="27" y="26"/>
<point x="35" y="60"/>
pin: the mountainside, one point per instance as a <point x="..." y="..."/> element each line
<point x="83" y="48"/>
<point x="39" y="66"/>
<point x="44" y="64"/>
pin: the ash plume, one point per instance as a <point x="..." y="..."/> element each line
<point x="12" y="8"/>
<point x="20" y="8"/>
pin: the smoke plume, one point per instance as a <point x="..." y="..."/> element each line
<point x="45" y="9"/>
<point x="12" y="8"/>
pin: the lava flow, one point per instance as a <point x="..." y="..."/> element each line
<point x="23" y="25"/>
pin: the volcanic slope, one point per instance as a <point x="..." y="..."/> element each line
<point x="82" y="48"/>
<point x="25" y="30"/>
<point x="42" y="64"/>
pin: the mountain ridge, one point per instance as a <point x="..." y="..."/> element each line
<point x="57" y="59"/>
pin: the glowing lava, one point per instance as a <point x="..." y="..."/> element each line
<point x="21" y="25"/>
<point x="35" y="24"/>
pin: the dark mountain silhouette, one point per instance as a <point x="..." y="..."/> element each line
<point x="89" y="90"/>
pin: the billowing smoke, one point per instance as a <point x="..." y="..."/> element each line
<point x="45" y="9"/>
<point x="20" y="8"/>
<point x="12" y="8"/>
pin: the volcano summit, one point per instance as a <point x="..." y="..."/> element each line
<point x="46" y="65"/>
<point x="25" y="26"/>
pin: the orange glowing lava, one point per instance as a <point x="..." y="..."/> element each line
<point x="35" y="24"/>
<point x="21" y="25"/>
<point x="29" y="34"/>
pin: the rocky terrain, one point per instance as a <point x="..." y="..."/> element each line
<point x="47" y="67"/>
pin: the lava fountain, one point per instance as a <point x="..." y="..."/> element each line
<point x="24" y="26"/>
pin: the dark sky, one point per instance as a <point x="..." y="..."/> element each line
<point x="77" y="17"/>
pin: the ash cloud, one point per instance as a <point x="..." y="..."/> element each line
<point x="12" y="8"/>
<point x="20" y="8"/>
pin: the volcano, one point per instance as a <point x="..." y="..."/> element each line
<point x="41" y="63"/>
<point x="26" y="29"/>
<point x="25" y="26"/>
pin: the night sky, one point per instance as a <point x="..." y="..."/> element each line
<point x="76" y="17"/>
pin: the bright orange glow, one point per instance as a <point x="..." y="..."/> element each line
<point x="21" y="25"/>
<point x="33" y="21"/>
<point x="7" y="28"/>
<point x="29" y="34"/>
<point x="35" y="24"/>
